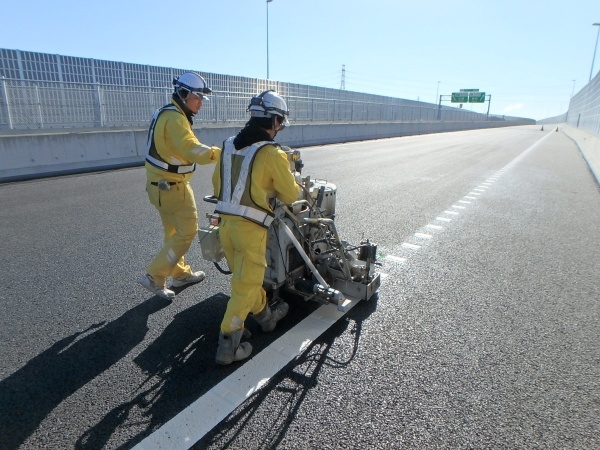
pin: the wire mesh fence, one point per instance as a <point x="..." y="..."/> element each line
<point x="46" y="105"/>
<point x="44" y="91"/>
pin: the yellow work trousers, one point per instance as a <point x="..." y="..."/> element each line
<point x="244" y="244"/>
<point x="179" y="216"/>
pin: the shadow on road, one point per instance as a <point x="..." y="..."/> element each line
<point x="295" y="381"/>
<point x="31" y="393"/>
<point x="180" y="368"/>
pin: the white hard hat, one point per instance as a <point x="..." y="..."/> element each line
<point x="190" y="82"/>
<point x="267" y="104"/>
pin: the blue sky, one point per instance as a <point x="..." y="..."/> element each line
<point x="524" y="53"/>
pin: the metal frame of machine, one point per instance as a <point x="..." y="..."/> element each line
<point x="305" y="255"/>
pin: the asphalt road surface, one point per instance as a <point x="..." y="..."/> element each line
<point x="484" y="333"/>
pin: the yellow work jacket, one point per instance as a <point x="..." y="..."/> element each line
<point x="177" y="144"/>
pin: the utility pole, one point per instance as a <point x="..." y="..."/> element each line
<point x="268" y="1"/>
<point x="595" y="48"/>
<point x="343" y="83"/>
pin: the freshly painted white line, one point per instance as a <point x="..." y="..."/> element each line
<point x="191" y="424"/>
<point x="443" y="219"/>
<point x="464" y="201"/>
<point x="474" y="193"/>
<point x="423" y="235"/>
<point x="479" y="189"/>
<point x="435" y="227"/>
<point x="459" y="207"/>
<point x="410" y="246"/>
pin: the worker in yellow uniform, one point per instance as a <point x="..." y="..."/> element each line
<point x="253" y="171"/>
<point x="173" y="152"/>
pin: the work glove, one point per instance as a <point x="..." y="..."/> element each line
<point x="216" y="153"/>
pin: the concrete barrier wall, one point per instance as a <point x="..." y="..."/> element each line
<point x="36" y="155"/>
<point x="589" y="145"/>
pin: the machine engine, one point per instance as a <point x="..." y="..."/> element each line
<point x="305" y="255"/>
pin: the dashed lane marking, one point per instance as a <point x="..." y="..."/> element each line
<point x="423" y="236"/>
<point x="395" y="259"/>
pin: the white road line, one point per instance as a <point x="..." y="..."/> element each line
<point x="395" y="259"/>
<point x="435" y="227"/>
<point x="443" y="219"/>
<point x="410" y="246"/>
<point x="454" y="213"/>
<point x="423" y="235"/>
<point x="459" y="207"/>
<point x="464" y="201"/>
<point x="470" y="197"/>
<point x="191" y="424"/>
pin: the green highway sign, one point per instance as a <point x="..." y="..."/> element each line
<point x="476" y="97"/>
<point x="459" y="97"/>
<point x="468" y="96"/>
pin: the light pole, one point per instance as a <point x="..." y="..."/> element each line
<point x="573" y="91"/>
<point x="595" y="47"/>
<point x="437" y="92"/>
<point x="268" y="1"/>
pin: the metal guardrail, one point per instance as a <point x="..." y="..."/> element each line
<point x="30" y="105"/>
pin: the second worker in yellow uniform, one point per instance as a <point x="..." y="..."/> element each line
<point x="253" y="171"/>
<point x="173" y="152"/>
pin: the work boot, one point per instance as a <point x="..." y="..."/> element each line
<point x="268" y="317"/>
<point x="148" y="282"/>
<point x="230" y="349"/>
<point x="195" y="277"/>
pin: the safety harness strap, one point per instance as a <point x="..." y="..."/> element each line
<point x="247" y="212"/>
<point x="173" y="168"/>
<point x="230" y="202"/>
<point x="152" y="155"/>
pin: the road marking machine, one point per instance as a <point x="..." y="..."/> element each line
<point x="305" y="255"/>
